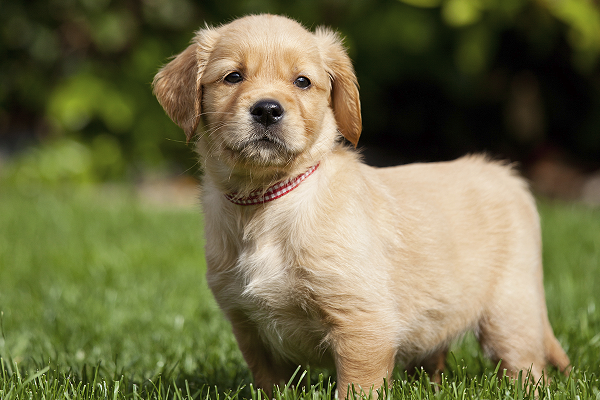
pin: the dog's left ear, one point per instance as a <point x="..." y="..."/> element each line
<point x="345" y="99"/>
<point x="177" y="85"/>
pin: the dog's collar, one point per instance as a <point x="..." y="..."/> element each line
<point x="272" y="193"/>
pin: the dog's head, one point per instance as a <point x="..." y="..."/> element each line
<point x="268" y="92"/>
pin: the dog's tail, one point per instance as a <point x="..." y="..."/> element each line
<point x="555" y="354"/>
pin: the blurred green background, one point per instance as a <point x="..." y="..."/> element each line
<point x="517" y="78"/>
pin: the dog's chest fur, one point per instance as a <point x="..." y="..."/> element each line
<point x="263" y="278"/>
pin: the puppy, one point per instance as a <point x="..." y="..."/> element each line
<point x="317" y="258"/>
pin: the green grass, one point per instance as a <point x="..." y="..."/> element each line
<point x="103" y="296"/>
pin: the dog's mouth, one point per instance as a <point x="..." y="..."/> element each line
<point x="268" y="140"/>
<point x="263" y="148"/>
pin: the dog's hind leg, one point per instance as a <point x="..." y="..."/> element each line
<point x="513" y="331"/>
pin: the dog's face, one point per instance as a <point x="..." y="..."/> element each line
<point x="269" y="93"/>
<point x="265" y="93"/>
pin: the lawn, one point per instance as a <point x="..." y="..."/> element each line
<point x="103" y="295"/>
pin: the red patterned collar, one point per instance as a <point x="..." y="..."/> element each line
<point x="272" y="193"/>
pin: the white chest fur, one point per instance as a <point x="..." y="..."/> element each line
<point x="265" y="281"/>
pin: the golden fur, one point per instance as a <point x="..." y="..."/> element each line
<point x="358" y="267"/>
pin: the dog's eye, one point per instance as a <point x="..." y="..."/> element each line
<point x="233" y="77"/>
<point x="302" y="82"/>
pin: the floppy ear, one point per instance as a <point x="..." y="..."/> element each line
<point x="345" y="99"/>
<point x="177" y="85"/>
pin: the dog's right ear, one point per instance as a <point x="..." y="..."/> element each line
<point x="177" y="85"/>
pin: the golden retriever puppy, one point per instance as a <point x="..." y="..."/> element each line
<point x="317" y="258"/>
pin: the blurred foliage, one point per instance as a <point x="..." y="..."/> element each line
<point x="67" y="161"/>
<point x="438" y="77"/>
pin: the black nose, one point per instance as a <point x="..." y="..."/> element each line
<point x="267" y="112"/>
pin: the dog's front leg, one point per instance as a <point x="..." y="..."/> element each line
<point x="363" y="358"/>
<point x="266" y="370"/>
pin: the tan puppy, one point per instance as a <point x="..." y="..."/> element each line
<point x="340" y="263"/>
